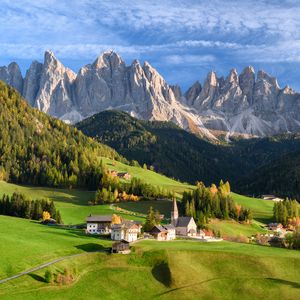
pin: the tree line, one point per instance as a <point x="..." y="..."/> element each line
<point x="284" y="211"/>
<point x="212" y="202"/>
<point x="112" y="189"/>
<point x="18" y="205"/>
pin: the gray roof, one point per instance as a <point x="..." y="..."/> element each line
<point x="183" y="221"/>
<point x="158" y="228"/>
<point x="100" y="218"/>
<point x="169" y="226"/>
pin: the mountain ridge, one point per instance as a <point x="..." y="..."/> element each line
<point x="245" y="104"/>
<point x="184" y="156"/>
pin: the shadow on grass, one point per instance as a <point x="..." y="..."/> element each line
<point x="275" y="280"/>
<point x="161" y="272"/>
<point x="285" y="282"/>
<point x="37" y="277"/>
<point x="91" y="247"/>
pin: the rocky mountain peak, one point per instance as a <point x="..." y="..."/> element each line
<point x="11" y="74"/>
<point x="233" y="77"/>
<point x="263" y="76"/>
<point x="237" y="105"/>
<point x="211" y="79"/>
<point x="108" y="59"/>
<point x="192" y="93"/>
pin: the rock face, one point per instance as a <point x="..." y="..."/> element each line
<point x="12" y="76"/>
<point x="245" y="104"/>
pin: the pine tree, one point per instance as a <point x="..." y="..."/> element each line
<point x="58" y="218"/>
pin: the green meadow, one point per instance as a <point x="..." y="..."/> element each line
<point x="171" y="270"/>
<point x="26" y="243"/>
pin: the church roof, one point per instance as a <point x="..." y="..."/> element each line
<point x="183" y="221"/>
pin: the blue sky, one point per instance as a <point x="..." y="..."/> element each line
<point x="183" y="40"/>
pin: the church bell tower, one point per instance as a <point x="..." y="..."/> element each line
<point x="174" y="213"/>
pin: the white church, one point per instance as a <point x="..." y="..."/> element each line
<point x="184" y="226"/>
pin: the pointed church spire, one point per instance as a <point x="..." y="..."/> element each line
<point x="174" y="213"/>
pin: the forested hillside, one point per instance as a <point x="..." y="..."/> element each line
<point x="41" y="150"/>
<point x="281" y="177"/>
<point x="187" y="157"/>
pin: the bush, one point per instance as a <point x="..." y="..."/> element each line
<point x="48" y="276"/>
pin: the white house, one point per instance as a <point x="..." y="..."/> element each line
<point x="171" y="231"/>
<point x="98" y="224"/>
<point x="185" y="226"/>
<point x="127" y="231"/>
<point x="163" y="232"/>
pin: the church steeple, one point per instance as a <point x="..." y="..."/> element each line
<point x="174" y="213"/>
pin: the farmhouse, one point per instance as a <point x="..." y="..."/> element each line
<point x="120" y="247"/>
<point x="185" y="226"/>
<point x="123" y="175"/>
<point x="276" y="227"/>
<point x="163" y="233"/>
<point x="271" y="198"/>
<point x="98" y="224"/>
<point x="127" y="231"/>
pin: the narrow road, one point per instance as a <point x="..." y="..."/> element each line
<point x="46" y="265"/>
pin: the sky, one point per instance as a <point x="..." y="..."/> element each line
<point x="183" y="40"/>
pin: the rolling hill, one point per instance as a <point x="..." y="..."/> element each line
<point x="153" y="270"/>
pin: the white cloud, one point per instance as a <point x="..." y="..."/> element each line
<point x="189" y="59"/>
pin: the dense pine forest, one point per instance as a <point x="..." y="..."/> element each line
<point x="281" y="177"/>
<point x="41" y="150"/>
<point x="177" y="153"/>
<point x="18" y="205"/>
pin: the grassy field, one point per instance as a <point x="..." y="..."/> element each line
<point x="164" y="207"/>
<point x="230" y="228"/>
<point x="172" y="270"/>
<point x="149" y="176"/>
<point x="25" y="243"/>
<point x="262" y="209"/>
<point x="73" y="204"/>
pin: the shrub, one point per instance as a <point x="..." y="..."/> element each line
<point x="48" y="276"/>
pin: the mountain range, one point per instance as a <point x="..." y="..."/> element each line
<point x="246" y="104"/>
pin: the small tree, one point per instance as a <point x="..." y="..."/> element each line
<point x="48" y="276"/>
<point x="58" y="218"/>
<point x="115" y="219"/>
<point x="46" y="216"/>
<point x="150" y="220"/>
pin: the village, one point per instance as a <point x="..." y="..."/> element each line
<point x="125" y="232"/>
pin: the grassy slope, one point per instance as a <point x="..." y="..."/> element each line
<point x="197" y="271"/>
<point x="149" y="176"/>
<point x="262" y="209"/>
<point x="25" y="243"/>
<point x="71" y="203"/>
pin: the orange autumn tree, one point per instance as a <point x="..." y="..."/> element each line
<point x="115" y="219"/>
<point x="46" y="215"/>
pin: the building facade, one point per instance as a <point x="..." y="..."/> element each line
<point x="184" y="226"/>
<point x="127" y="231"/>
<point x="98" y="224"/>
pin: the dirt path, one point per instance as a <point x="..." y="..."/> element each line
<point x="46" y="265"/>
